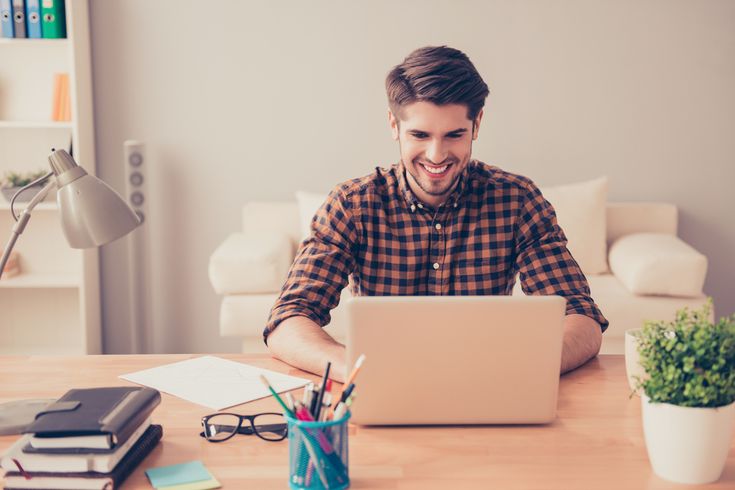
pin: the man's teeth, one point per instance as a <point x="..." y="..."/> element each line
<point x="436" y="170"/>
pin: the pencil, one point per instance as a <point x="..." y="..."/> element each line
<point x="318" y="408"/>
<point x="351" y="378"/>
<point x="275" y="395"/>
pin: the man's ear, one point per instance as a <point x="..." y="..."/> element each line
<point x="393" y="123"/>
<point x="476" y="124"/>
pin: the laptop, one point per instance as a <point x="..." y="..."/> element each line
<point x="438" y="360"/>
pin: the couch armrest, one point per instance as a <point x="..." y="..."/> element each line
<point x="658" y="264"/>
<point x="250" y="264"/>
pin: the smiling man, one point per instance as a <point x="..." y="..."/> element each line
<point x="436" y="223"/>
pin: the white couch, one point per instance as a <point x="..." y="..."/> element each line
<point x="644" y="253"/>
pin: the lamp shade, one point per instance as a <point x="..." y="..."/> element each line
<point x="92" y="213"/>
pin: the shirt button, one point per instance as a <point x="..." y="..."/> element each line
<point x="421" y="206"/>
<point x="436" y="265"/>
<point x="438" y="226"/>
<point x="455" y="204"/>
<point x="413" y="207"/>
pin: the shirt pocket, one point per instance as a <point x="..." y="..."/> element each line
<point x="477" y="275"/>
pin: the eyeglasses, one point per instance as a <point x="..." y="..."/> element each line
<point x="219" y="427"/>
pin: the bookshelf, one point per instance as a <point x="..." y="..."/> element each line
<point x="53" y="307"/>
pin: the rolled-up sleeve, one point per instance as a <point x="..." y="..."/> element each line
<point x="544" y="263"/>
<point x="322" y="265"/>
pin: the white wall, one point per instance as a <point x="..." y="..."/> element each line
<point x="254" y="100"/>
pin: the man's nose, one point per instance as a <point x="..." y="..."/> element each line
<point x="436" y="152"/>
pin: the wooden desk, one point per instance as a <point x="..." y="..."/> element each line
<point x="595" y="443"/>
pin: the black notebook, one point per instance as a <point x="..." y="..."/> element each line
<point x="94" y="418"/>
<point x="90" y="479"/>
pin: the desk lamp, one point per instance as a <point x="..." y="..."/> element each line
<point x="92" y="213"/>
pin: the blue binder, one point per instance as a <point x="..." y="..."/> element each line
<point x="33" y="18"/>
<point x="6" y="18"/>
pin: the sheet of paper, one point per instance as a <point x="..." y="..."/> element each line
<point x="214" y="382"/>
<point x="177" y="474"/>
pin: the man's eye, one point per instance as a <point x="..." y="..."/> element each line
<point x="419" y="135"/>
<point x="455" y="136"/>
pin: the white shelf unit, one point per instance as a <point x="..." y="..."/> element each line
<point x="53" y="306"/>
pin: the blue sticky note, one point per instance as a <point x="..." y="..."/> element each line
<point x="177" y="474"/>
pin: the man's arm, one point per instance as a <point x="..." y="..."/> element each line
<point x="312" y="289"/>
<point x="546" y="267"/>
<point x="300" y="342"/>
<point x="582" y="341"/>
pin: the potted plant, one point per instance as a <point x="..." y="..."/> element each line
<point x="13" y="181"/>
<point x="688" y="400"/>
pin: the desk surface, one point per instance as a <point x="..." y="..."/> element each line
<point x="595" y="442"/>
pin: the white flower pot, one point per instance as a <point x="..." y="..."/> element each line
<point x="685" y="444"/>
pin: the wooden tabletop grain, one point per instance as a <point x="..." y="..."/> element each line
<point x="596" y="441"/>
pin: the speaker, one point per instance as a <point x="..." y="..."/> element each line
<point x="139" y="287"/>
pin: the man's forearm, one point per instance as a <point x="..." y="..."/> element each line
<point x="582" y="341"/>
<point x="302" y="343"/>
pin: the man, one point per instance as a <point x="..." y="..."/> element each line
<point x="436" y="223"/>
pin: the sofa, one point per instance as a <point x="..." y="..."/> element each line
<point x="645" y="273"/>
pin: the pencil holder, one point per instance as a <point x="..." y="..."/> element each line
<point x="318" y="454"/>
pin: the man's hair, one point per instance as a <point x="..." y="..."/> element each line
<point x="441" y="75"/>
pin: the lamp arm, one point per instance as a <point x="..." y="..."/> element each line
<point x="21" y="222"/>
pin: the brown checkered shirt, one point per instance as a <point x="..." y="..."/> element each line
<point x="493" y="226"/>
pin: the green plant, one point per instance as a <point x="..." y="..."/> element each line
<point x="20" y="179"/>
<point x="689" y="362"/>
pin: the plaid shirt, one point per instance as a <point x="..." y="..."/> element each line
<point x="493" y="226"/>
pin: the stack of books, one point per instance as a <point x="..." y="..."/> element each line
<point x="88" y="439"/>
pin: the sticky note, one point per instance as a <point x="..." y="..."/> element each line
<point x="167" y="476"/>
<point x="197" y="485"/>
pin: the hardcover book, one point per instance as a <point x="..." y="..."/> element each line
<point x="90" y="479"/>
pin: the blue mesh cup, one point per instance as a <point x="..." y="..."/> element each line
<point x="318" y="455"/>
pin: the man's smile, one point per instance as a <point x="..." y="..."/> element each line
<point x="434" y="171"/>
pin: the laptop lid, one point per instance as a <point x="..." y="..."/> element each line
<point x="455" y="359"/>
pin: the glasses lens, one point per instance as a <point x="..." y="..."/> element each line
<point x="271" y="426"/>
<point x="220" y="427"/>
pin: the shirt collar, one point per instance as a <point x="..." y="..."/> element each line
<point x="454" y="198"/>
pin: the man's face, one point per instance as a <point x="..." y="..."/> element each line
<point x="436" y="145"/>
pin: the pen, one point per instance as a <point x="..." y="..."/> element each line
<point x="323" y="388"/>
<point x="346" y="394"/>
<point x="308" y="394"/>
<point x="275" y="395"/>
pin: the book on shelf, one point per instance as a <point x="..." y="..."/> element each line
<point x="80" y="461"/>
<point x="90" y="479"/>
<point x="61" y="108"/>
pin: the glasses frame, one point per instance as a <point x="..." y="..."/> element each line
<point x="240" y="429"/>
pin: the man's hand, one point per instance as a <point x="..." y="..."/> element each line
<point x="302" y="343"/>
<point x="582" y="341"/>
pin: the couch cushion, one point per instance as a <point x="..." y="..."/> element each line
<point x="250" y="263"/>
<point x="657" y="263"/>
<point x="625" y="310"/>
<point x="580" y="211"/>
<point x="309" y="204"/>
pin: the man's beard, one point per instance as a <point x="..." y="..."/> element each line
<point x="428" y="190"/>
